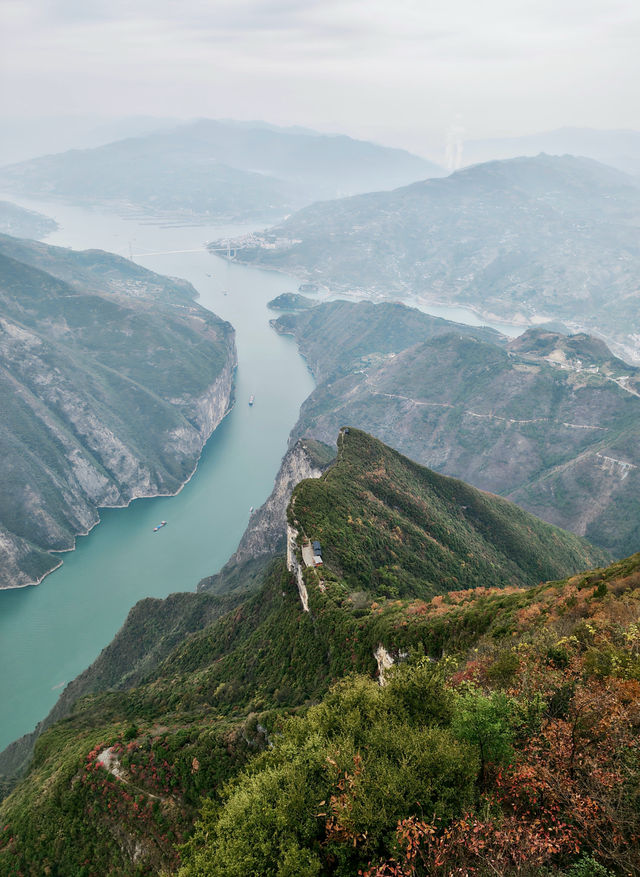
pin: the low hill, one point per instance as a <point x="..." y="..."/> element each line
<point x="549" y="421"/>
<point x="364" y="334"/>
<point x="216" y="170"/>
<point x="291" y="301"/>
<point x="112" y="380"/>
<point x="520" y="239"/>
<point x="23" y="223"/>
<point x="139" y="760"/>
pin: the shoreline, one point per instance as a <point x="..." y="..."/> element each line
<point x="629" y="354"/>
<point x="125" y="505"/>
<point x="330" y="294"/>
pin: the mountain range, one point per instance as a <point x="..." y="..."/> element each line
<point x="137" y="751"/>
<point x="524" y="240"/>
<point x="112" y="380"/>
<point x="399" y="673"/>
<point x="550" y="421"/>
<point x="216" y="170"/>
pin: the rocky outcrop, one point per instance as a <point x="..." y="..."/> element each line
<point x="265" y="533"/>
<point x="294" y="566"/>
<point x="384" y="662"/>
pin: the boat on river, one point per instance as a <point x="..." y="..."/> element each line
<point x="160" y="526"/>
<point x="252" y="399"/>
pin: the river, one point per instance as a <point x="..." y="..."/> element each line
<point x="50" y="633"/>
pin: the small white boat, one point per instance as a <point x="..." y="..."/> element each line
<point x="252" y="399"/>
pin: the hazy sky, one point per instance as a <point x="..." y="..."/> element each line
<point x="401" y="71"/>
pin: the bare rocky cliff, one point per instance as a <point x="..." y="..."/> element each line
<point x="110" y="475"/>
<point x="266" y="532"/>
<point x="108" y="396"/>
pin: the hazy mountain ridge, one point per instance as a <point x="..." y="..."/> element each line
<point x="620" y="149"/>
<point x="552" y="422"/>
<point x="520" y="239"/>
<point x="109" y="393"/>
<point x="217" y="695"/>
<point x="216" y="170"/>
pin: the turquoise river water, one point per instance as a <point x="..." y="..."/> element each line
<point x="50" y="633"/>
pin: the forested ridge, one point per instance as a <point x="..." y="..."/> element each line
<point x="504" y="739"/>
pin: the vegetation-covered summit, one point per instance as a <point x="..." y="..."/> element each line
<point x="517" y="755"/>
<point x="390" y="526"/>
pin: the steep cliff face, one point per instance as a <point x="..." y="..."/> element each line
<point x="266" y="532"/>
<point x="109" y="394"/>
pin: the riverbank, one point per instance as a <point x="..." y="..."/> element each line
<point x="224" y="385"/>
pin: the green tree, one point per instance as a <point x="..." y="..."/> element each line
<point x="485" y="721"/>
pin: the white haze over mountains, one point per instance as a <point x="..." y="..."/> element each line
<point x="419" y="74"/>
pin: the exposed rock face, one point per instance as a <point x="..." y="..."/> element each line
<point x="384" y="662"/>
<point x="108" y="395"/>
<point x="294" y="566"/>
<point x="266" y="530"/>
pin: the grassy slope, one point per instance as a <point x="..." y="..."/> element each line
<point x="519" y="755"/>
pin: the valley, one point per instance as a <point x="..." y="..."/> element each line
<point x="225" y="672"/>
<point x="244" y="690"/>
<point x="121" y="560"/>
<point x="320" y="439"/>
